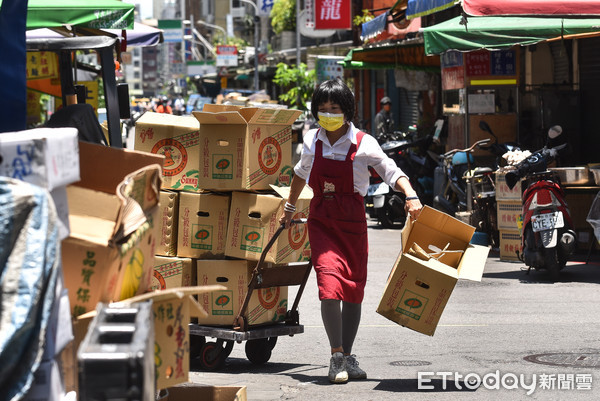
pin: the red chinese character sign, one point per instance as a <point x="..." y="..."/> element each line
<point x="333" y="14"/>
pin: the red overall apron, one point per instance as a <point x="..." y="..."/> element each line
<point x="337" y="227"/>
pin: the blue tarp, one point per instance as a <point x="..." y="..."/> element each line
<point x="372" y="28"/>
<point x="420" y="8"/>
<point x="29" y="273"/>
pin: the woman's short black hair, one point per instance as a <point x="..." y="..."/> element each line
<point x="334" y="91"/>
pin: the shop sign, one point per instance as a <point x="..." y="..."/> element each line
<point x="227" y="56"/>
<point x="453" y="70"/>
<point x="42" y="65"/>
<point x="265" y="7"/>
<point x="333" y="14"/>
<point x="490" y="63"/>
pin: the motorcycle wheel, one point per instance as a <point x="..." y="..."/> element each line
<point x="551" y="262"/>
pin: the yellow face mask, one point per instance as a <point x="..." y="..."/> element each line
<point x="330" y="121"/>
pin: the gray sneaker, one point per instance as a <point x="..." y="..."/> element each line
<point x="354" y="372"/>
<point x="337" y="368"/>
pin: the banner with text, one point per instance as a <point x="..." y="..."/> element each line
<point x="333" y="14"/>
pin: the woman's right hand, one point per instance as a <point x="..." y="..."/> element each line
<point x="286" y="218"/>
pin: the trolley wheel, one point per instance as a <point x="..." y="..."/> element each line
<point x="212" y="356"/>
<point x="259" y="351"/>
<point x="196" y="343"/>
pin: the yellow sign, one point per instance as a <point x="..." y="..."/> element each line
<point x="493" y="82"/>
<point x="42" y="65"/>
<point x="92" y="93"/>
<point x="34" y="109"/>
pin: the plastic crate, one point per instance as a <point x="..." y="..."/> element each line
<point x="116" y="357"/>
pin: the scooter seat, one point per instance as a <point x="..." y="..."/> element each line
<point x="482" y="170"/>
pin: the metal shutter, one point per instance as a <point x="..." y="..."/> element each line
<point x="562" y="71"/>
<point x="409" y="108"/>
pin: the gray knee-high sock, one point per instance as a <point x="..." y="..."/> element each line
<point x="332" y="320"/>
<point x="350" y="321"/>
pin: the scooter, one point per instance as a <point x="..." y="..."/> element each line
<point x="453" y="194"/>
<point x="466" y="187"/>
<point x="548" y="238"/>
<point x="386" y="204"/>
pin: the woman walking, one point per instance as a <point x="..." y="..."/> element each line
<point x="335" y="163"/>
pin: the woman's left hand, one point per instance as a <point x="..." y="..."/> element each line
<point x="413" y="208"/>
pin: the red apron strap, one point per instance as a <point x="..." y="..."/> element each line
<point x="354" y="148"/>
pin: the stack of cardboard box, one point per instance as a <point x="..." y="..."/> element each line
<point x="510" y="219"/>
<point x="220" y="202"/>
<point x="48" y="158"/>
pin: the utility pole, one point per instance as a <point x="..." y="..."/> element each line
<point x="298" y="52"/>
<point x="256" y="42"/>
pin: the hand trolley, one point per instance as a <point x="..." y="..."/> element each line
<point x="260" y="340"/>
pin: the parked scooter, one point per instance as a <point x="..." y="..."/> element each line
<point x="456" y="163"/>
<point x="384" y="203"/>
<point x="548" y="237"/>
<point x="470" y="188"/>
<point x="481" y="189"/>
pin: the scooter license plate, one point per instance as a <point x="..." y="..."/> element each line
<point x="378" y="189"/>
<point x="547" y="221"/>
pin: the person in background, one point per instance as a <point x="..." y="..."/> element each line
<point x="179" y="105"/>
<point x="163" y="107"/>
<point x="335" y="162"/>
<point x="384" y="121"/>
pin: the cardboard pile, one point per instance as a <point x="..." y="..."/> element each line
<point x="435" y="254"/>
<point x="220" y="206"/>
<point x="48" y="158"/>
<point x="113" y="209"/>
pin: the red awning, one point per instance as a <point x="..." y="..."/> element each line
<point x="555" y="8"/>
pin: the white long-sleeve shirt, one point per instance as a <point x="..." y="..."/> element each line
<point x="368" y="154"/>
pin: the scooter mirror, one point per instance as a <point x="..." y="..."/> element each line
<point x="554" y="131"/>
<point x="484" y="126"/>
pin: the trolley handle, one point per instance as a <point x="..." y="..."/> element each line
<point x="263" y="255"/>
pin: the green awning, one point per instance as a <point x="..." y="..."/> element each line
<point x="397" y="56"/>
<point x="98" y="14"/>
<point x="495" y="33"/>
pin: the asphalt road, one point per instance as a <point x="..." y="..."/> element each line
<point x="508" y="326"/>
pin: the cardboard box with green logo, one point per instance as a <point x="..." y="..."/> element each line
<point x="435" y="254"/>
<point x="173" y="272"/>
<point x="254" y="219"/>
<point x="203" y="221"/>
<point x="177" y="139"/>
<point x="267" y="305"/>
<point x="244" y="148"/>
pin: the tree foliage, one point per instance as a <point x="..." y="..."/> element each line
<point x="283" y="16"/>
<point x="297" y="84"/>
